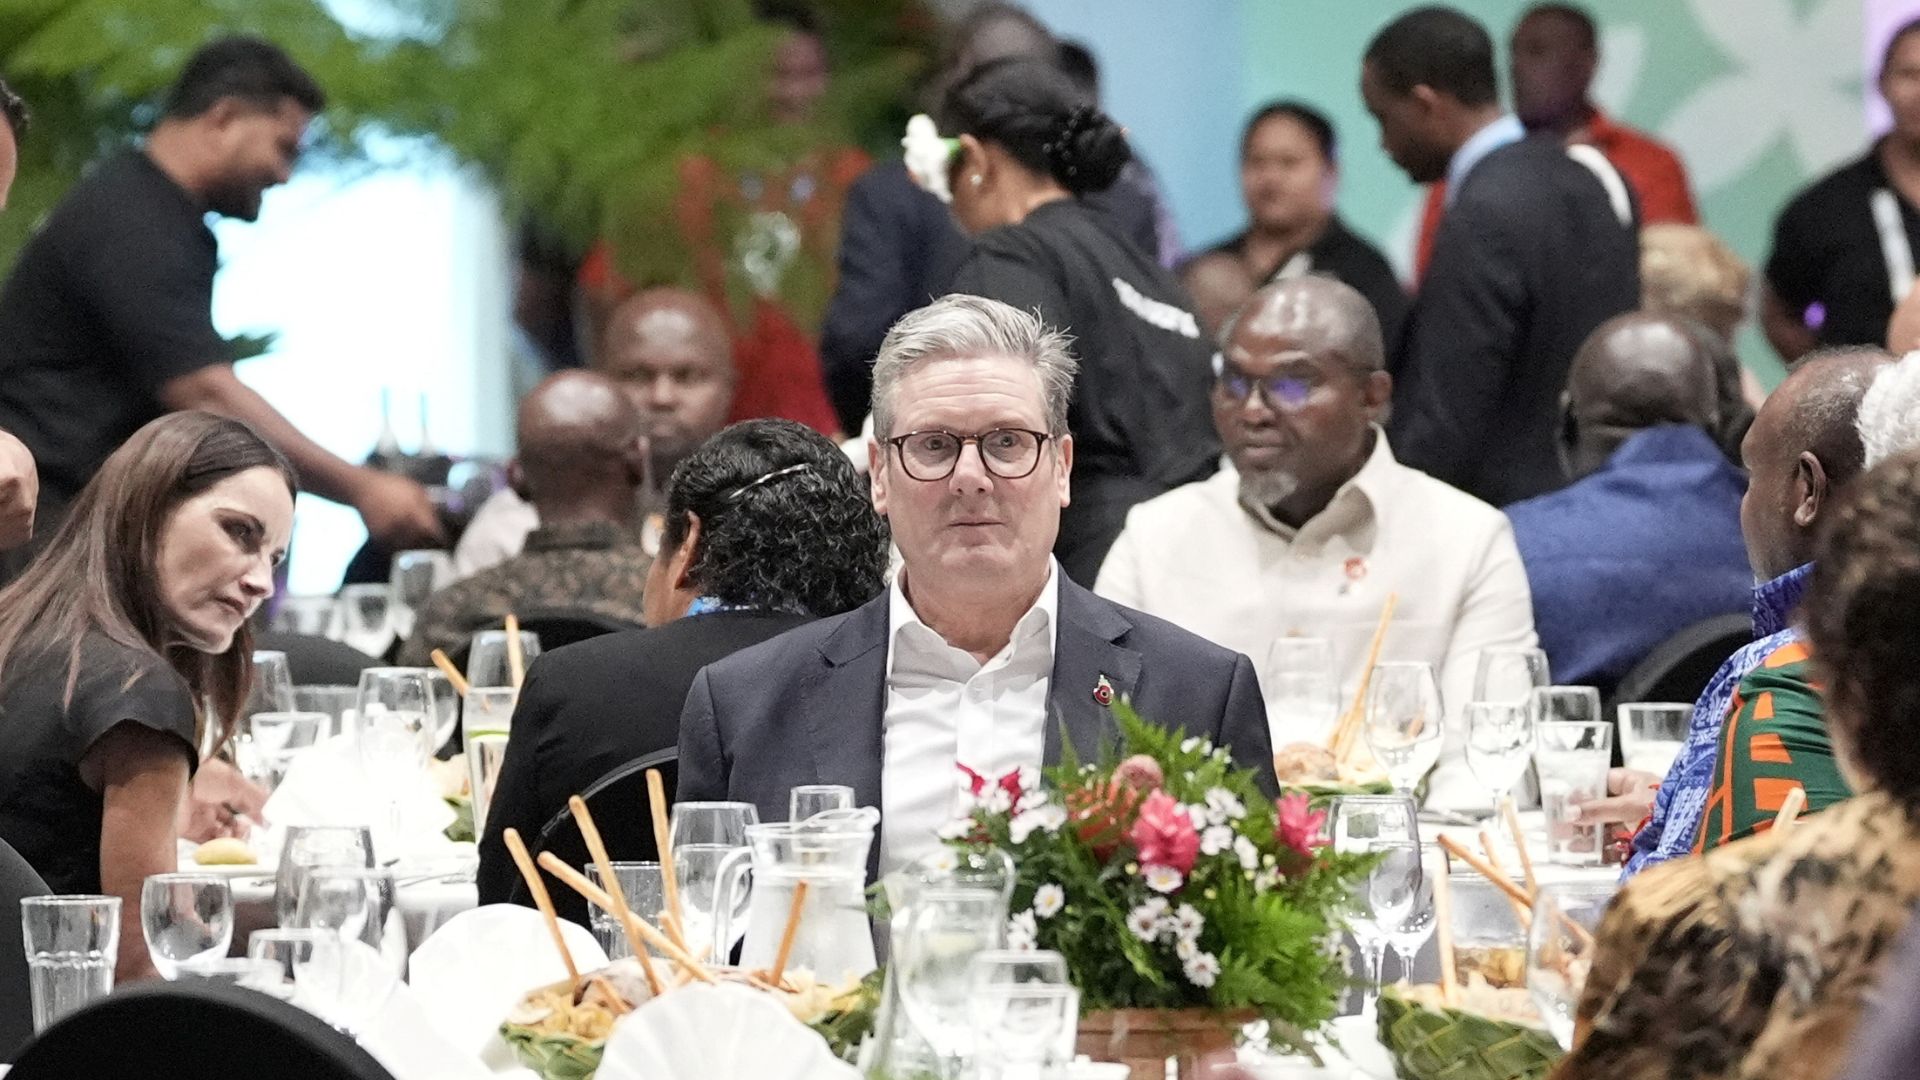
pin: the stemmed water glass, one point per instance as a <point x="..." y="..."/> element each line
<point x="1301" y="691"/>
<point x="704" y="835"/>
<point x="414" y="577"/>
<point x="487" y="662"/>
<point x="363" y="618"/>
<point x="1418" y="923"/>
<point x="1560" y="949"/>
<point x="185" y="917"/>
<point x="309" y="616"/>
<point x="310" y="846"/>
<point x="1406" y="723"/>
<point x="1499" y="745"/>
<point x="1358" y="824"/>
<point x="272" y="687"/>
<point x="946" y="928"/>
<point x="806" y="800"/>
<point x="1024" y="1012"/>
<point x="1509" y="674"/>
<point x="394" y="727"/>
<point x="355" y="903"/>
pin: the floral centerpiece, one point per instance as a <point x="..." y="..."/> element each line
<point x="1169" y="882"/>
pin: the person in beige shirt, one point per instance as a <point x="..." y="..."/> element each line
<point x="1316" y="523"/>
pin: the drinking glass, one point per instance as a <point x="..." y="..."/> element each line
<point x="446" y="707"/>
<point x="1364" y="823"/>
<point x="363" y="618"/>
<point x="645" y="889"/>
<point x="1418" y="923"/>
<point x="308" y="616"/>
<point x="1024" y="1013"/>
<point x="1567" y="704"/>
<point x="1652" y="734"/>
<point x="310" y="846"/>
<point x="290" y="950"/>
<point x="272" y="687"/>
<point x="394" y="726"/>
<point x="336" y="702"/>
<point x="72" y="943"/>
<point x="1390" y="890"/>
<point x="807" y="800"/>
<point x="489" y="716"/>
<point x="487" y="663"/>
<point x="415" y="575"/>
<point x="1301" y="690"/>
<point x="946" y="928"/>
<point x="1509" y="674"/>
<point x="356" y="904"/>
<point x="1560" y="949"/>
<point x="274" y="739"/>
<point x="1499" y="745"/>
<point x="1405" y="721"/>
<point x="703" y="834"/>
<point x="1572" y="758"/>
<point x="185" y="917"/>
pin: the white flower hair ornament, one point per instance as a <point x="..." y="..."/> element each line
<point x="929" y="156"/>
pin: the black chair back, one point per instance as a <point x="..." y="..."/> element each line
<point x="1679" y="668"/>
<point x="194" y="1031"/>
<point x="624" y="815"/>
<point x="17" y="882"/>
<point x="318" y="661"/>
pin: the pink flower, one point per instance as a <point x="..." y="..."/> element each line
<point x="1141" y="773"/>
<point x="1164" y="835"/>
<point x="1297" y="826"/>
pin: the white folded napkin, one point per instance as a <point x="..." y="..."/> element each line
<point x="326" y="786"/>
<point x="404" y="1040"/>
<point x="724" y="1032"/>
<point x="477" y="966"/>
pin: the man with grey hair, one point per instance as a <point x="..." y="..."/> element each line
<point x="983" y="661"/>
<point x="1316" y="524"/>
<point x="1890" y="412"/>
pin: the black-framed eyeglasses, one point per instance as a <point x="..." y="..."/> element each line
<point x="1008" y="453"/>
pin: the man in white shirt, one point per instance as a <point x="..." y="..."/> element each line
<point x="982" y="659"/>
<point x="1316" y="524"/>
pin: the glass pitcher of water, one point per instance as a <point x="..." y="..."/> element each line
<point x="829" y="854"/>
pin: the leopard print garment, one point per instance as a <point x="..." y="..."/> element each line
<point x="1754" y="960"/>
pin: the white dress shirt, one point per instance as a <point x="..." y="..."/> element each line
<point x="498" y="532"/>
<point x="1200" y="558"/>
<point x="946" y="710"/>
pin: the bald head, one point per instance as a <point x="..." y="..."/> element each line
<point x="670" y="351"/>
<point x="579" y="448"/>
<point x="1803" y="448"/>
<point x="1319" y="312"/>
<point x="1638" y="371"/>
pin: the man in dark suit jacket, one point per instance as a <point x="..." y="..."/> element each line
<point x="1538" y="246"/>
<point x="982" y="658"/>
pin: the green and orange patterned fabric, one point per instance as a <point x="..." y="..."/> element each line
<point x="1774" y="740"/>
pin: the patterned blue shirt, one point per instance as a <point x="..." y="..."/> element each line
<point x="1683" y="794"/>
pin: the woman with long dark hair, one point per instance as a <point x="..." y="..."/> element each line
<point x="124" y="651"/>
<point x="1021" y="145"/>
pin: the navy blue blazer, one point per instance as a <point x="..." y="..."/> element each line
<point x="807" y="706"/>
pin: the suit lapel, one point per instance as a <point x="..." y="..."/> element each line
<point x="844" y="700"/>
<point x="1087" y="651"/>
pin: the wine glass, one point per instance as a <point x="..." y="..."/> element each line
<point x="1024" y="1013"/>
<point x="415" y="576"/>
<point x="1418" y="923"/>
<point x="308" y="846"/>
<point x="1509" y="674"/>
<point x="363" y="618"/>
<point x="703" y="835"/>
<point x="806" y="800"/>
<point x="272" y="687"/>
<point x="1405" y="722"/>
<point x="394" y="726"/>
<point x="946" y="928"/>
<point x="276" y="738"/>
<point x="1499" y="745"/>
<point x="1560" y="949"/>
<point x="1362" y="823"/>
<point x="309" y="616"/>
<point x="487" y="663"/>
<point x="1391" y="887"/>
<point x="1301" y="690"/>
<point x="356" y="904"/>
<point x="185" y="917"/>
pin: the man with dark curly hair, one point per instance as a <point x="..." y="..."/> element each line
<point x="767" y="528"/>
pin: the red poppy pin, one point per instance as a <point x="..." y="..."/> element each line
<point x="1103" y="692"/>
<point x="1356" y="568"/>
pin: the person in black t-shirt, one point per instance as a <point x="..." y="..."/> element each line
<point x="1289" y="168"/>
<point x="1843" y="249"/>
<point x="135" y="614"/>
<point x="1028" y="144"/>
<point x="105" y="322"/>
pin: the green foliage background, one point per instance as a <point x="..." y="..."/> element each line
<point x="578" y="109"/>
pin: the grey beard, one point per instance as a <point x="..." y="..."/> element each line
<point x="1267" y="489"/>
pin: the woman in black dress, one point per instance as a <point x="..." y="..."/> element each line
<point x="132" y="617"/>
<point x="1029" y="144"/>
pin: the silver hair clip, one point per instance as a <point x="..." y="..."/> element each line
<point x="797" y="467"/>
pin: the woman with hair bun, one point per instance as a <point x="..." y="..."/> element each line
<point x="1022" y="144"/>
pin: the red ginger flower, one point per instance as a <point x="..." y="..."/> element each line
<point x="1164" y="835"/>
<point x="1297" y="826"/>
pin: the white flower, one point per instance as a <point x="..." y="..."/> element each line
<point x="943" y="861"/>
<point x="1216" y="839"/>
<point x="1188" y="922"/>
<point x="1021" y="932"/>
<point x="1048" y="899"/>
<point x="956" y="829"/>
<point x="1224" y="805"/>
<point x="928" y="156"/>
<point x="1196" y="813"/>
<point x="1163" y="879"/>
<point x="1188" y="746"/>
<point x="1185" y="949"/>
<point x="1044" y="818"/>
<point x="1249" y="855"/>
<point x="1144" y="920"/>
<point x="995" y="800"/>
<point x="1028" y="778"/>
<point x="1202" y="969"/>
<point x="1265" y="880"/>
